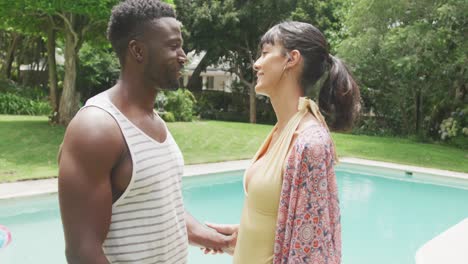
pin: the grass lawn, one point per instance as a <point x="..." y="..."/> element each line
<point x="28" y="146"/>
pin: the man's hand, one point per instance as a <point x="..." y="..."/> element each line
<point x="230" y="231"/>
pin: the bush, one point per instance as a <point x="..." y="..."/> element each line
<point x="180" y="103"/>
<point x="98" y="70"/>
<point x="33" y="93"/>
<point x="12" y="104"/>
<point x="372" y="126"/>
<point x="168" y="117"/>
<point x="41" y="108"/>
<point x="454" y="129"/>
<point x="219" y="105"/>
<point x="460" y="141"/>
<point x="211" y="102"/>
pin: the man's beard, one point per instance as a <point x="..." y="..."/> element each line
<point x="167" y="81"/>
<point x="172" y="83"/>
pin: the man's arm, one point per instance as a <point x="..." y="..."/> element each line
<point x="202" y="236"/>
<point x="92" y="144"/>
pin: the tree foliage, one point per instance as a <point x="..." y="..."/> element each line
<point x="77" y="21"/>
<point x="410" y="58"/>
<point x="230" y="30"/>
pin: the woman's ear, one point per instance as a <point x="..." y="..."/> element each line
<point x="294" y="58"/>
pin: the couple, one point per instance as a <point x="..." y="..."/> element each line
<point x="120" y="170"/>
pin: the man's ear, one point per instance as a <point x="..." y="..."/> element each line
<point x="136" y="50"/>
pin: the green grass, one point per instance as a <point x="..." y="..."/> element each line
<point x="402" y="151"/>
<point x="28" y="146"/>
<point x="211" y="141"/>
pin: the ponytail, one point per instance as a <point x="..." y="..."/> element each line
<point x="339" y="97"/>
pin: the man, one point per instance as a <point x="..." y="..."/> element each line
<point x="119" y="167"/>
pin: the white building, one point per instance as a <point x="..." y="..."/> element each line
<point x="216" y="77"/>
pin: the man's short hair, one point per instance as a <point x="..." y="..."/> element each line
<point x="128" y="20"/>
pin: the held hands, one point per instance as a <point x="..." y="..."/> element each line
<point x="230" y="232"/>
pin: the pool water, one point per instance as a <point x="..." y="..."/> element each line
<point x="384" y="220"/>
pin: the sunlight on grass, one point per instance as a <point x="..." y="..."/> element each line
<point x="29" y="145"/>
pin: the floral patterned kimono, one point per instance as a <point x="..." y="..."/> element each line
<point x="308" y="227"/>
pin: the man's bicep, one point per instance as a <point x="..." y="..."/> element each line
<point x="85" y="197"/>
<point x="85" y="192"/>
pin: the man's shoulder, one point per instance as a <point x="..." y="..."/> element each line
<point x="94" y="128"/>
<point x="94" y="119"/>
<point x="97" y="98"/>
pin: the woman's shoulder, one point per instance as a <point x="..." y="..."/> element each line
<point x="313" y="142"/>
<point x="313" y="134"/>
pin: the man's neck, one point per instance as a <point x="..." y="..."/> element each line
<point x="135" y="92"/>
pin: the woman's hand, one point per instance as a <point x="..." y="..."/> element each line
<point x="230" y="231"/>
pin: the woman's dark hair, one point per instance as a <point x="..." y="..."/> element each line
<point x="339" y="97"/>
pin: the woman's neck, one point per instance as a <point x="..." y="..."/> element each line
<point x="285" y="104"/>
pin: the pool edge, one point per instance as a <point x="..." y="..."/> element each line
<point x="436" y="176"/>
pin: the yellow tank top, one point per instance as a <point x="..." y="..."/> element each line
<point x="257" y="229"/>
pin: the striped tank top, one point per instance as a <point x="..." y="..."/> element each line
<point x="147" y="224"/>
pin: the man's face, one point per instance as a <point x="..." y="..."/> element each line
<point x="166" y="58"/>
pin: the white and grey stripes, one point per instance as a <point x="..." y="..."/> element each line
<point x="147" y="223"/>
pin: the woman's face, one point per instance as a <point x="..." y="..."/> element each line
<point x="269" y="67"/>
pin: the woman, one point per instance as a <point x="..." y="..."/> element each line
<point x="291" y="212"/>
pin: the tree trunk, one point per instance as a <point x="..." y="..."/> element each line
<point x="20" y="55"/>
<point x="195" y="81"/>
<point x="460" y="93"/>
<point x="69" y="99"/>
<point x="251" y="86"/>
<point x="253" y="105"/>
<point x="418" y="111"/>
<point x="405" y="125"/>
<point x="461" y="88"/>
<point x="52" y="70"/>
<point x="10" y="57"/>
<point x="252" y="97"/>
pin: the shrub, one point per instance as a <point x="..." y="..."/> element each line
<point x="41" y="108"/>
<point x="98" y="70"/>
<point x="211" y="102"/>
<point x="454" y="129"/>
<point x="12" y="104"/>
<point x="219" y="105"/>
<point x="33" y="93"/>
<point x="460" y="141"/>
<point x="168" y="117"/>
<point x="372" y="126"/>
<point x="180" y="103"/>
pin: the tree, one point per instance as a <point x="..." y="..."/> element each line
<point x="230" y="30"/>
<point x="80" y="19"/>
<point x="410" y="58"/>
<point x="10" y="53"/>
<point x="77" y="21"/>
<point x="52" y="65"/>
<point x="26" y="22"/>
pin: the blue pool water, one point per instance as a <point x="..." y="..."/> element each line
<point x="384" y="220"/>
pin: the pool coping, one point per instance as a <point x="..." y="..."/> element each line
<point x="49" y="186"/>
<point x="447" y="247"/>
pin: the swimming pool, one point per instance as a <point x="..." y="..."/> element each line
<point x="385" y="220"/>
